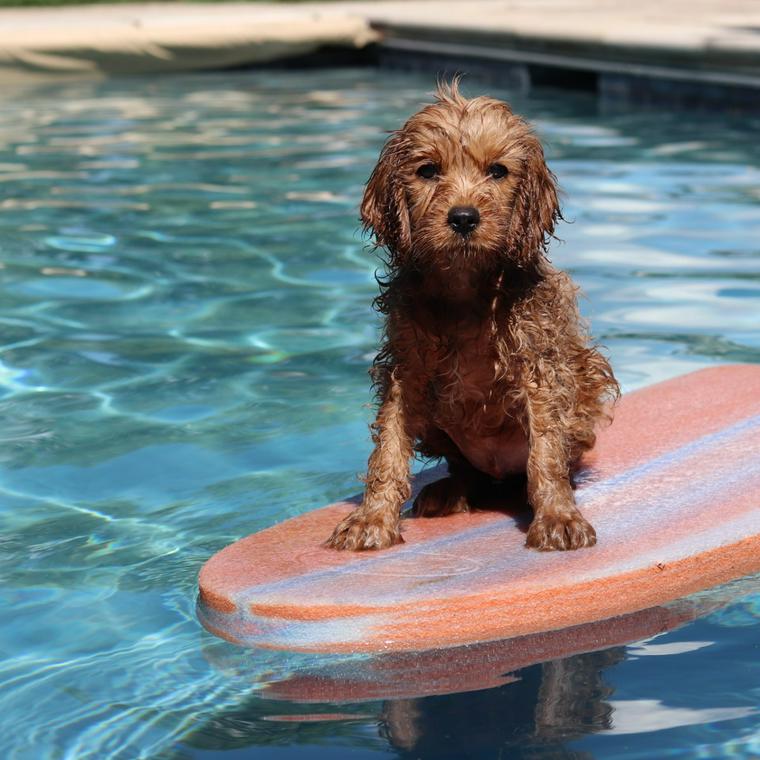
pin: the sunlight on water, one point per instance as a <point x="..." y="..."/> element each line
<point x="186" y="328"/>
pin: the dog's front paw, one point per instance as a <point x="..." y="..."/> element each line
<point x="357" y="532"/>
<point x="560" y="532"/>
<point x="443" y="497"/>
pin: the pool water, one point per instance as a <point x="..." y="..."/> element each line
<point x="186" y="329"/>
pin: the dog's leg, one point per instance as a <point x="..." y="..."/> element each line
<point x="557" y="522"/>
<point x="375" y="523"/>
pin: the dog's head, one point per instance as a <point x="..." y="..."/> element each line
<point x="462" y="184"/>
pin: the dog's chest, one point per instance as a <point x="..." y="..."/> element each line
<point x="475" y="404"/>
<point x="465" y="371"/>
<point x="467" y="382"/>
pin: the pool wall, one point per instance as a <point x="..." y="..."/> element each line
<point x="676" y="54"/>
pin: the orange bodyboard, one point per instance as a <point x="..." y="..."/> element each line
<point x="672" y="488"/>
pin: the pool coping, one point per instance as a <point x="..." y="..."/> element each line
<point x="695" y="72"/>
<point x="697" y="51"/>
<point x="102" y="40"/>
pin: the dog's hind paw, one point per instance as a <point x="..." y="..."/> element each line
<point x="443" y="497"/>
<point x="357" y="532"/>
<point x="560" y="532"/>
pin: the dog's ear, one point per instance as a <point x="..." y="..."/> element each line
<point x="384" y="210"/>
<point x="535" y="210"/>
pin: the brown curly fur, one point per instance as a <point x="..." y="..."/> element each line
<point x="485" y="361"/>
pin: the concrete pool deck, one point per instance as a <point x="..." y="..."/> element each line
<point x="705" y="45"/>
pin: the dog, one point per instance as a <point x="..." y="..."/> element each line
<point x="485" y="361"/>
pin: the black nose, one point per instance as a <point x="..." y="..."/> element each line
<point x="464" y="219"/>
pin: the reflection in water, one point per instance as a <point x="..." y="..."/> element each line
<point x="537" y="715"/>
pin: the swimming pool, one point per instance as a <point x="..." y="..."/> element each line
<point x="186" y="328"/>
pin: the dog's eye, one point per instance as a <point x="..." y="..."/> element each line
<point x="497" y="171"/>
<point x="427" y="171"/>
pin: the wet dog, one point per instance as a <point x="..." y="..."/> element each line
<point x="485" y="360"/>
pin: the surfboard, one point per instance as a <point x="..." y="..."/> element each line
<point x="672" y="488"/>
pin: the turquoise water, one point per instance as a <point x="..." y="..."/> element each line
<point x="185" y="330"/>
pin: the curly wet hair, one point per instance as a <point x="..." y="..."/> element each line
<point x="485" y="360"/>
